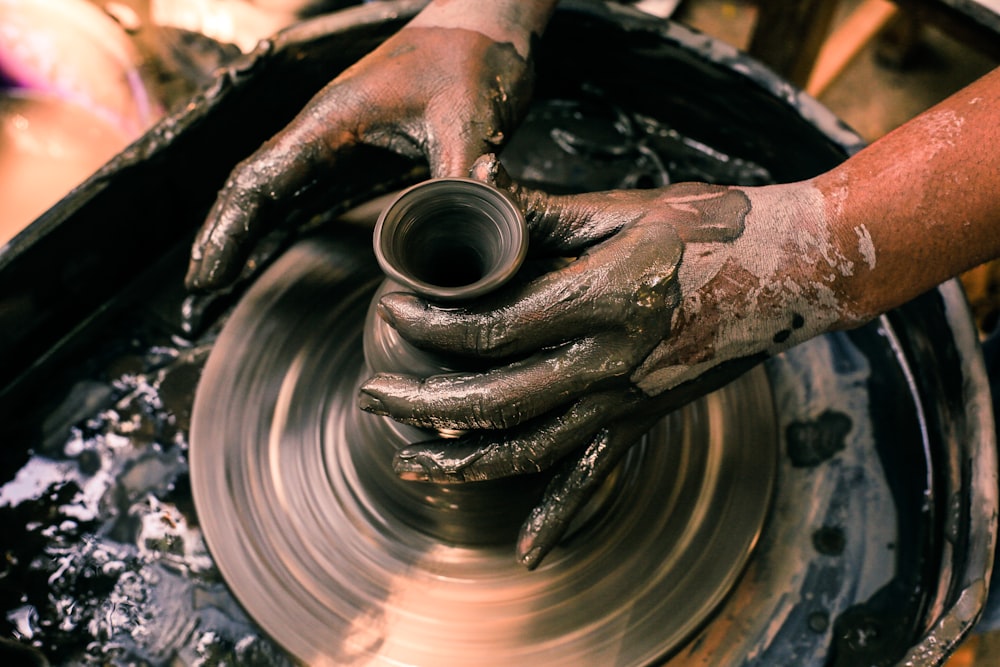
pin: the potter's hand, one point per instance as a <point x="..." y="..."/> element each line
<point x="674" y="292"/>
<point x="449" y="86"/>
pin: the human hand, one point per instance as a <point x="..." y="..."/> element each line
<point x="673" y="293"/>
<point x="442" y="94"/>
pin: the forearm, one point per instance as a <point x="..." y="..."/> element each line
<point x="504" y="21"/>
<point x="912" y="210"/>
<point x="920" y="205"/>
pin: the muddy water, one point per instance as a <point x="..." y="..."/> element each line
<point x="103" y="562"/>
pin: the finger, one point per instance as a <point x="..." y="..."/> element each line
<point x="547" y="312"/>
<point x="454" y="155"/>
<point x="566" y="224"/>
<point x="222" y="242"/>
<point x="500" y="398"/>
<point x="625" y="286"/>
<point x="280" y="170"/>
<point x="525" y="450"/>
<point x="573" y="486"/>
<point x="241" y="211"/>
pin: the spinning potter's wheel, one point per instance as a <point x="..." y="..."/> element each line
<point x="339" y="561"/>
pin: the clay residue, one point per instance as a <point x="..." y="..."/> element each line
<point x="865" y="245"/>
<point x="812" y="442"/>
<point x="739" y="296"/>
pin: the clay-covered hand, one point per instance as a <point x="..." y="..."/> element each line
<point x="672" y="293"/>
<point x="441" y="94"/>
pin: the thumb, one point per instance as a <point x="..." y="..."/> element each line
<point x="452" y="159"/>
<point x="563" y="224"/>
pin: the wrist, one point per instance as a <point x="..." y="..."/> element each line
<point x="503" y="21"/>
<point x="816" y="266"/>
<point x="783" y="279"/>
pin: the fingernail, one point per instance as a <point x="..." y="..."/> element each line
<point x="531" y="558"/>
<point x="371" y="403"/>
<point x="385" y="314"/>
<point x="192" y="279"/>
<point x="398" y="306"/>
<point x="529" y="551"/>
<point x="407" y="466"/>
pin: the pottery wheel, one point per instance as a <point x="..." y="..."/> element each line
<point x="316" y="539"/>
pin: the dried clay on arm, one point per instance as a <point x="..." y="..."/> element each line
<point x="907" y="213"/>
<point x="503" y="21"/>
